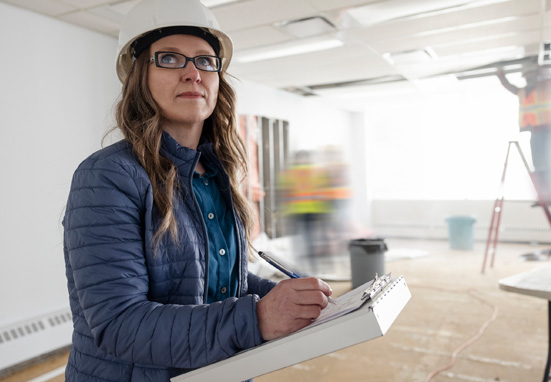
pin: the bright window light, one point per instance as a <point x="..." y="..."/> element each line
<point x="447" y="145"/>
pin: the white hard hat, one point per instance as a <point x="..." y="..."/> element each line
<point x="150" y="15"/>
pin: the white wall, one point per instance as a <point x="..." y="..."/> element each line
<point x="58" y="87"/>
<point x="426" y="219"/>
<point x="313" y="123"/>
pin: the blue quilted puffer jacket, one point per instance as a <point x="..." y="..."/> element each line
<point x="139" y="312"/>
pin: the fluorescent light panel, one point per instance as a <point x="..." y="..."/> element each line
<point x="473" y="4"/>
<point x="378" y="12"/>
<point x="465" y="26"/>
<point x="288" y="49"/>
<point x="216" y="3"/>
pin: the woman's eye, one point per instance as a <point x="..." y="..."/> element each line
<point x="205" y="61"/>
<point x="168" y="59"/>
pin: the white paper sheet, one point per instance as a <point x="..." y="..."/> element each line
<point x="346" y="303"/>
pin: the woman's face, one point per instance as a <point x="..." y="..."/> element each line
<point x="186" y="96"/>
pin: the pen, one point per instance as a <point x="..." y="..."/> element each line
<point x="285" y="270"/>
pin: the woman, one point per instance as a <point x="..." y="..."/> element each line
<point x="155" y="227"/>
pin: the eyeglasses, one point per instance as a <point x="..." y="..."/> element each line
<point x="171" y="60"/>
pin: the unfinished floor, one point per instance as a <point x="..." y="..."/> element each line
<point x="451" y="301"/>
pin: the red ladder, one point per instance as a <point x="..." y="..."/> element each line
<point x="498" y="205"/>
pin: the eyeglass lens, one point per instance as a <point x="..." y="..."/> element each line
<point x="171" y="60"/>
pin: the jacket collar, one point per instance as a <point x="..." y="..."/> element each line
<point x="175" y="150"/>
<point x="185" y="158"/>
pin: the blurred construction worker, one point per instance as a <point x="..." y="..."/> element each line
<point x="305" y="203"/>
<point x="535" y="117"/>
<point x="338" y="194"/>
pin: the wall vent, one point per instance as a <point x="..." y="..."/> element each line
<point x="527" y="229"/>
<point x="34" y="326"/>
<point x="26" y="340"/>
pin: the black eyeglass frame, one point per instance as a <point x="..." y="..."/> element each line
<point x="155" y="59"/>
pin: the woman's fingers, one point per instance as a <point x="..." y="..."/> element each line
<point x="290" y="306"/>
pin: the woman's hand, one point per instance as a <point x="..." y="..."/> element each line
<point x="290" y="306"/>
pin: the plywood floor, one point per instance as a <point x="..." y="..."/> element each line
<point x="451" y="301"/>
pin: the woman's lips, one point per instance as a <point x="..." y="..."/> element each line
<point x="190" y="95"/>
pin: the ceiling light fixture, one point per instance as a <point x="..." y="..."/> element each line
<point x="411" y="57"/>
<point x="288" y="49"/>
<point x="307" y="27"/>
<point x="380" y="11"/>
<point x="465" y="26"/>
<point x="468" y="5"/>
<point x="216" y="3"/>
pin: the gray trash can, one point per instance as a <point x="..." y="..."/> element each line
<point x="367" y="257"/>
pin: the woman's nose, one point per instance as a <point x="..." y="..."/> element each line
<point x="190" y="73"/>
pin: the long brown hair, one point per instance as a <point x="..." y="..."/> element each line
<point x="139" y="118"/>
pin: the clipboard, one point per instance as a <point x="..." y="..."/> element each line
<point x="377" y="305"/>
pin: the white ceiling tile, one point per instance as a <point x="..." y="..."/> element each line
<point x="85" y="4"/>
<point x="106" y="12"/>
<point x="520" y="24"/>
<point x="258" y="37"/>
<point x="409" y="27"/>
<point x="335" y="65"/>
<point x="464" y="47"/>
<point x="482" y="13"/>
<point x="249" y="14"/>
<point x="469" y="61"/>
<point x="90" y="21"/>
<point x="391" y="10"/>
<point x="123" y="7"/>
<point x="46" y="7"/>
<point x="330" y="5"/>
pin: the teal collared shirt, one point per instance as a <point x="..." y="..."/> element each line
<point x="223" y="277"/>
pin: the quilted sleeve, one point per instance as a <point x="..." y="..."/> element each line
<point x="258" y="285"/>
<point x="108" y="278"/>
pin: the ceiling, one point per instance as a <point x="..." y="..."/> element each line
<point x="367" y="43"/>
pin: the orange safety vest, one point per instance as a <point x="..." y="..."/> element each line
<point x="535" y="106"/>
<point x="304" y="186"/>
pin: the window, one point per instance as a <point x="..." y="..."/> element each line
<point x="447" y="145"/>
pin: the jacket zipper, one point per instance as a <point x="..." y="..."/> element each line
<point x="205" y="233"/>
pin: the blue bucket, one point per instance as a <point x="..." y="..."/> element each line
<point x="461" y="232"/>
